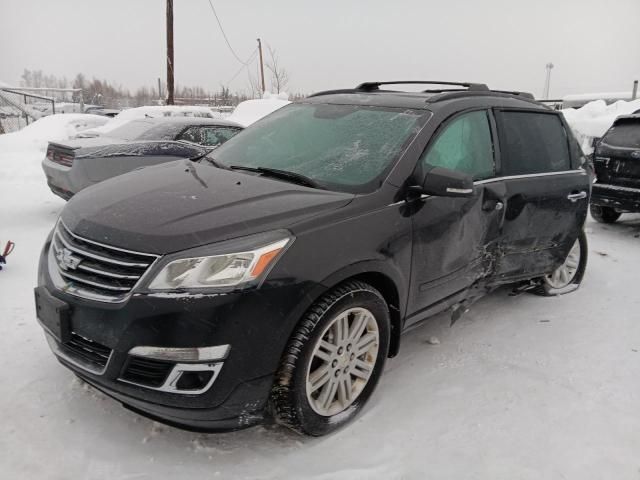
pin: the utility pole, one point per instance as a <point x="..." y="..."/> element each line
<point x="261" y="67"/>
<point x="169" y="52"/>
<point x="547" y="82"/>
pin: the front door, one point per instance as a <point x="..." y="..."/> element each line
<point x="453" y="238"/>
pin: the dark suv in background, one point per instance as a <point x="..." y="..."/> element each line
<point x="617" y="168"/>
<point x="274" y="277"/>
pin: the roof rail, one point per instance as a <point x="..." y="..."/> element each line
<point x="372" y="86"/>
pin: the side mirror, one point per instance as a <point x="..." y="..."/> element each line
<point x="442" y="182"/>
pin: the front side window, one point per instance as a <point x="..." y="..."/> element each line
<point x="465" y="146"/>
<point x="532" y="142"/>
<point x="341" y="147"/>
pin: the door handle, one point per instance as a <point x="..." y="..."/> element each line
<point x="574" y="197"/>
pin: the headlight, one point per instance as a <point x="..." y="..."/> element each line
<point x="214" y="271"/>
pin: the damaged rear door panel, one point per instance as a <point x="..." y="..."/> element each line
<point x="545" y="194"/>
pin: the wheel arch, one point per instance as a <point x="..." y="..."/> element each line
<point x="388" y="282"/>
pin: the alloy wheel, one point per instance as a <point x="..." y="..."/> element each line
<point x="342" y="362"/>
<point x="565" y="273"/>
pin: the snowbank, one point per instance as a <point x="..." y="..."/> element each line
<point x="58" y="127"/>
<point x="22" y="151"/>
<point x="251" y="111"/>
<point x="595" y="118"/>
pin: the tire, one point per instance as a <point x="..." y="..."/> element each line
<point x="302" y="397"/>
<point x="557" y="283"/>
<point x="604" y="214"/>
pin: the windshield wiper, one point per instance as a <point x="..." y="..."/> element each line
<point x="214" y="162"/>
<point x="282" y="174"/>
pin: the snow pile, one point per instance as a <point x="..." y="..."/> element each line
<point x="251" y="111"/>
<point x="595" y="118"/>
<point x="22" y="151"/>
<point x="152" y="111"/>
<point x="58" y="127"/>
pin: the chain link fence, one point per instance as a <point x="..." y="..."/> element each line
<point x="21" y="106"/>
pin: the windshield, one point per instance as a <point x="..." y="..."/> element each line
<point x="130" y="130"/>
<point x="341" y="147"/>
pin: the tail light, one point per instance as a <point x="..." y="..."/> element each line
<point x="60" y="157"/>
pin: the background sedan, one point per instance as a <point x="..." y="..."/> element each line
<point x="87" y="160"/>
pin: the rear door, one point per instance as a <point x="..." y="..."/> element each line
<point x="546" y="193"/>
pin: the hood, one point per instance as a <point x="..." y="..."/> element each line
<point x="181" y="204"/>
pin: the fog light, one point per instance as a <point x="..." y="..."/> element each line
<point x="194" y="380"/>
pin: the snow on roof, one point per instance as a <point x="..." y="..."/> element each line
<point x="597" y="96"/>
<point x="153" y="111"/>
<point x="251" y="111"/>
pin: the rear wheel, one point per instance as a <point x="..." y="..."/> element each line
<point x="604" y="214"/>
<point x="568" y="276"/>
<point x="333" y="361"/>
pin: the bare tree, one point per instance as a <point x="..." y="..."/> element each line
<point x="254" y="88"/>
<point x="279" y="76"/>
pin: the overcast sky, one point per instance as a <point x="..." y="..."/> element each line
<point x="594" y="45"/>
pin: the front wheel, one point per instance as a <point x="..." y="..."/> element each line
<point x="568" y="276"/>
<point x="333" y="361"/>
<point x="604" y="214"/>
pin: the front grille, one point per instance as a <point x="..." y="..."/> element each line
<point x="94" y="270"/>
<point x="146" y="372"/>
<point x="90" y="354"/>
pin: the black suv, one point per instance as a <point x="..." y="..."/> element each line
<point x="617" y="166"/>
<point x="275" y="276"/>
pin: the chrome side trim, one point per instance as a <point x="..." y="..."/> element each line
<point x="169" y="386"/>
<point x="529" y="175"/>
<point x="187" y="355"/>
<point x="57" y="351"/>
<point x="509" y="177"/>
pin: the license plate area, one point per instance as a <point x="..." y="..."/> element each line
<point x="54" y="314"/>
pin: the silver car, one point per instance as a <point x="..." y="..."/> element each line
<point x="82" y="162"/>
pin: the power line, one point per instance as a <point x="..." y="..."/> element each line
<point x="244" y="65"/>
<point x="225" y="35"/>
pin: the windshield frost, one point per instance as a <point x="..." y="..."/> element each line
<point x="346" y="147"/>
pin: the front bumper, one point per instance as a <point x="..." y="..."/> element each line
<point x="617" y="197"/>
<point x="255" y="325"/>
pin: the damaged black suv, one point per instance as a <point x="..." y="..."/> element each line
<point x="272" y="278"/>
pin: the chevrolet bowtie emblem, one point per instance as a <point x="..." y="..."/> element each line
<point x="67" y="260"/>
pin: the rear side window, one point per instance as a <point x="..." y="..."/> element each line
<point x="624" y="134"/>
<point x="209" y="136"/>
<point x="465" y="146"/>
<point x="532" y="143"/>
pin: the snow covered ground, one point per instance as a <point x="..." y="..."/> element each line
<point x="520" y="388"/>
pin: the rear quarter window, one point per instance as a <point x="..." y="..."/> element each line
<point x="532" y="142"/>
